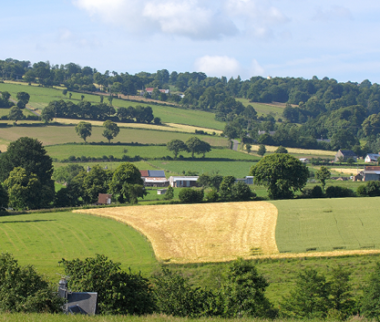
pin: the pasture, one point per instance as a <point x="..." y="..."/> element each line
<point x="334" y="225"/>
<point x="239" y="169"/>
<point x="202" y="232"/>
<point x="264" y="109"/>
<point x="44" y="239"/>
<point x="41" y="96"/>
<point x="146" y="152"/>
<point x="51" y="135"/>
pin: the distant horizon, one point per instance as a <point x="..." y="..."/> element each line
<point x="170" y="71"/>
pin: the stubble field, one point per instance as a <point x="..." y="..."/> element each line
<point x="202" y="232"/>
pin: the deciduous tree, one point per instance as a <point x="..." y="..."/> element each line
<point x="126" y="184"/>
<point x="322" y="175"/>
<point x="83" y="129"/>
<point x="111" y="130"/>
<point x="176" y="146"/>
<point x="283" y="174"/>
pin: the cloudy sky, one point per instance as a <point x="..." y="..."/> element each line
<point x="297" y="38"/>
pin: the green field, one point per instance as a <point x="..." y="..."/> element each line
<point x="328" y="224"/>
<point x="51" y="135"/>
<point x="238" y="169"/>
<point x="263" y="109"/>
<point x="5" y="111"/>
<point x="147" y="152"/>
<point x="41" y="96"/>
<point x="44" y="239"/>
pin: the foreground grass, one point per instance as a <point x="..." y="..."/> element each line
<point x="44" y="239"/>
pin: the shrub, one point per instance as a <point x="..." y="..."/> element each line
<point x="212" y="196"/>
<point x="188" y="195"/>
<point x="339" y="192"/>
<point x="169" y="195"/>
<point x="175" y="296"/>
<point x="23" y="290"/>
<point x="371" y="189"/>
<point x="315" y="192"/>
<point x="118" y="292"/>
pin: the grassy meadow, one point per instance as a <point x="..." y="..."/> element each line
<point x="147" y="152"/>
<point x="41" y="96"/>
<point x="239" y="169"/>
<point x="263" y="109"/>
<point x="44" y="239"/>
<point x="328" y="224"/>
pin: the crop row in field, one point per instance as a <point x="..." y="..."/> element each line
<point x="51" y="135"/>
<point x="147" y="152"/>
<point x="41" y="96"/>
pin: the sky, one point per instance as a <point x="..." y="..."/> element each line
<point x="286" y="38"/>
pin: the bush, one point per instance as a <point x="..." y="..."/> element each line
<point x="23" y="290"/>
<point x="169" y="195"/>
<point x="339" y="192"/>
<point x="118" y="292"/>
<point x="371" y="189"/>
<point x="315" y="192"/>
<point x="188" y="195"/>
<point x="175" y="296"/>
<point x="212" y="196"/>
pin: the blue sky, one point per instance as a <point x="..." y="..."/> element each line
<point x="295" y="38"/>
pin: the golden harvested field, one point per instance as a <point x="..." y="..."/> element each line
<point x="202" y="232"/>
<point x="346" y="170"/>
<point x="171" y="127"/>
<point x="297" y="151"/>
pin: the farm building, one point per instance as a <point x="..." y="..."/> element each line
<point x="247" y="180"/>
<point x="154" y="178"/>
<point x="358" y="177"/>
<point x="371" y="173"/>
<point x="183" y="181"/>
<point x="304" y="160"/>
<point x="104" y="199"/>
<point x="371" y="157"/>
<point x="346" y="154"/>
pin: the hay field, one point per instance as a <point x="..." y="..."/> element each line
<point x="347" y="170"/>
<point x="297" y="151"/>
<point x="171" y="127"/>
<point x="202" y="232"/>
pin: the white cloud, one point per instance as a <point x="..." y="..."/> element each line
<point x="218" y="66"/>
<point x="195" y="19"/>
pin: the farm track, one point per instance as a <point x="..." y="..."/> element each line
<point x="202" y="232"/>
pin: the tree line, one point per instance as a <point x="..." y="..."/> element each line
<point x="101" y="112"/>
<point x="240" y="292"/>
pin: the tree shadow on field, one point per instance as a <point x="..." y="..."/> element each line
<point x="23" y="221"/>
